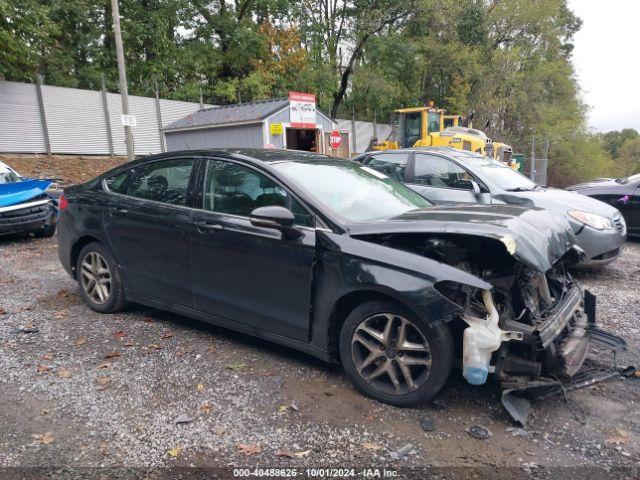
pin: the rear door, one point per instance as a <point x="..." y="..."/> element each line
<point x="248" y="274"/>
<point x="634" y="211"/>
<point x="147" y="225"/>
<point x="440" y="180"/>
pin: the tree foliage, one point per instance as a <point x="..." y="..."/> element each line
<point x="506" y="61"/>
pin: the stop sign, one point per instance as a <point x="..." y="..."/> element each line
<point x="335" y="139"/>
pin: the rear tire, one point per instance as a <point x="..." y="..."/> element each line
<point x="393" y="356"/>
<point x="99" y="280"/>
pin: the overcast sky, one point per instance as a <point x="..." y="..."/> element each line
<point x="607" y="61"/>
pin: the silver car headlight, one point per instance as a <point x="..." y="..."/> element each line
<point x="595" y="221"/>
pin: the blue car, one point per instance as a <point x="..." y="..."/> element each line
<point x="26" y="205"/>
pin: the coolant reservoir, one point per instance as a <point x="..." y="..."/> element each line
<point x="481" y="338"/>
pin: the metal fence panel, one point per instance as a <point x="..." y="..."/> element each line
<point x="75" y="120"/>
<point x="20" y="126"/>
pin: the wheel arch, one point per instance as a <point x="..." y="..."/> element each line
<point x="346" y="304"/>
<point x="77" y="247"/>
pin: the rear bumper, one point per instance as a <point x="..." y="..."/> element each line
<point x="26" y="217"/>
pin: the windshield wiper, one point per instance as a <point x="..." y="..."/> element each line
<point x="519" y="189"/>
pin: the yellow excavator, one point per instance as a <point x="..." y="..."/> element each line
<point x="430" y="127"/>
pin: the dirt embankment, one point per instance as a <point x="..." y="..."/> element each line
<point x="69" y="169"/>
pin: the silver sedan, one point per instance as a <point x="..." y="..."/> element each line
<point x="448" y="175"/>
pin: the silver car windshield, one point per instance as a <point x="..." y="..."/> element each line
<point x="355" y="192"/>
<point x="499" y="174"/>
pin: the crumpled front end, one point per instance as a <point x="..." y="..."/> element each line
<point x="26" y="206"/>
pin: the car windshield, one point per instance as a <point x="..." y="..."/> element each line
<point x="498" y="173"/>
<point x="355" y="192"/>
<point x="8" y="176"/>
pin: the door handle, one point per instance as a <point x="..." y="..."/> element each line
<point x="208" y="226"/>
<point x="118" y="211"/>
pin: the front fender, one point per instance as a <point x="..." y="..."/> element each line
<point x="345" y="265"/>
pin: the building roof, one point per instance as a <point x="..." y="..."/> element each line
<point x="250" y="112"/>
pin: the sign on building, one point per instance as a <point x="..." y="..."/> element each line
<point x="302" y="110"/>
<point x="275" y="128"/>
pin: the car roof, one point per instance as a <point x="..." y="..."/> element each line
<point x="256" y="154"/>
<point x="449" y="151"/>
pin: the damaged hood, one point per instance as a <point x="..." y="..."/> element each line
<point x="536" y="237"/>
<point x="19" y="192"/>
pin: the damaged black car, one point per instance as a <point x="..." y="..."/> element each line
<point x="336" y="260"/>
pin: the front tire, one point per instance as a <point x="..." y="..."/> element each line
<point x="98" y="279"/>
<point x="393" y="356"/>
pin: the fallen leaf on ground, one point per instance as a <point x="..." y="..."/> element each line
<point x="200" y="387"/>
<point x="249" y="449"/>
<point x="166" y="335"/>
<point x="103" y="448"/>
<point x="636" y="373"/>
<point x="237" y="366"/>
<point x="44" y="438"/>
<point x="212" y="348"/>
<point x="128" y="344"/>
<point x="43" y="368"/>
<point x="113" y="354"/>
<point x="104" y="381"/>
<point x="104" y="365"/>
<point x="282" y="409"/>
<point x="22" y="308"/>
<point x="205" y="408"/>
<point x="120" y="334"/>
<point x="64" y="373"/>
<point x="80" y="341"/>
<point x="61" y="314"/>
<point x="63" y="292"/>
<point x="154" y="346"/>
<point x="175" y="452"/>
<point x="621" y="437"/>
<point x="3" y="311"/>
<point x="371" y="446"/>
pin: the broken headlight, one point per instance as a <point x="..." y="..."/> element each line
<point x="595" y="221"/>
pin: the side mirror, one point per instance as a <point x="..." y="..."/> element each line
<point x="476" y="188"/>
<point x="278" y="218"/>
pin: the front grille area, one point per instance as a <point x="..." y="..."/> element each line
<point x="24" y="215"/>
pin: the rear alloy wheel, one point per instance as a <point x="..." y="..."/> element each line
<point x="393" y="356"/>
<point x="98" y="281"/>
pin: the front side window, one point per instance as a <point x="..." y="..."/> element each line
<point x="165" y="181"/>
<point x="435" y="171"/>
<point x="235" y="189"/>
<point x="393" y="165"/>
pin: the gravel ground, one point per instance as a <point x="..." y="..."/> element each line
<point x="146" y="389"/>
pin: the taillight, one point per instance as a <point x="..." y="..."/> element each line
<point x="63" y="203"/>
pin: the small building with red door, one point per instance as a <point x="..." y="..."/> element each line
<point x="285" y="123"/>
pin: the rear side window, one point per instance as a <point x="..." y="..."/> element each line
<point x="116" y="182"/>
<point x="393" y="165"/>
<point x="165" y="181"/>
<point x="439" y="172"/>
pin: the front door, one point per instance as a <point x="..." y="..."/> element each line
<point x="245" y="273"/>
<point x="440" y="180"/>
<point x="147" y="225"/>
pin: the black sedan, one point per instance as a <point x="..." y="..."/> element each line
<point x="336" y="260"/>
<point x="622" y="193"/>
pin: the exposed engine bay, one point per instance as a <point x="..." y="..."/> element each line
<point x="532" y="326"/>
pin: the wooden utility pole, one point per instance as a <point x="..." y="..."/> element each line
<point x="122" y="74"/>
